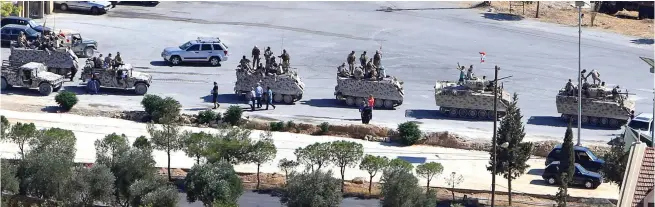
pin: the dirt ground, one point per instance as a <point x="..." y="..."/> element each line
<point x="560" y="12"/>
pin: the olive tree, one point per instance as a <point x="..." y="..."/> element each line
<point x="22" y="134"/>
<point x="429" y="171"/>
<point x="167" y="139"/>
<point x="194" y="144"/>
<point x="315" y="188"/>
<point x="317" y="154"/>
<point x="400" y="189"/>
<point x="90" y="185"/>
<point x="373" y="165"/>
<point x="213" y="182"/>
<point x="287" y="166"/>
<point x="262" y="151"/>
<point x="153" y="191"/>
<point x="344" y="154"/>
<point x="230" y="144"/>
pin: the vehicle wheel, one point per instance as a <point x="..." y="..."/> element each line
<point x="5" y="85"/>
<point x="379" y="103"/>
<point x="288" y="99"/>
<point x="278" y="98"/>
<point x="388" y="104"/>
<point x="45" y="89"/>
<point x="473" y="113"/>
<point x="359" y="101"/>
<point x="214" y="61"/>
<point x="443" y="110"/>
<point x="594" y="120"/>
<point x="585" y="119"/>
<point x="141" y="88"/>
<point x="604" y="121"/>
<point x="614" y="123"/>
<point x="175" y="60"/>
<point x="551" y="181"/>
<point x="63" y="7"/>
<point x="462" y="113"/>
<point x="453" y="112"/>
<point x="565" y="117"/>
<point x="482" y="114"/>
<point x="95" y="10"/>
<point x="490" y="115"/>
<point x="88" y="52"/>
<point x="588" y="184"/>
<point x="350" y="101"/>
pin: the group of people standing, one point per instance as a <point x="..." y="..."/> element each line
<point x="271" y="66"/>
<point x="257" y="95"/>
<point x="369" y="68"/>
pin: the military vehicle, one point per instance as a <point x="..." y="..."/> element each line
<point x="287" y="88"/>
<point x="599" y="106"/>
<point x="81" y="47"/>
<point x="109" y="78"/>
<point x="388" y="93"/>
<point x="474" y="99"/>
<point x="30" y="75"/>
<point x="58" y="61"/>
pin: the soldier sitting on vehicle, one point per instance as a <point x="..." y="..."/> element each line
<point x="568" y="89"/>
<point x="22" y="40"/>
<point x="245" y="64"/>
<point x="615" y="93"/>
<point x="118" y="60"/>
<point x="99" y="62"/>
<point x="272" y="67"/>
<point x="342" y="72"/>
<point x="358" y="73"/>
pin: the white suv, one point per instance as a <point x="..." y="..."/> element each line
<point x="203" y="49"/>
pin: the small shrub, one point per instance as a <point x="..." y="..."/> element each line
<point x="325" y="127"/>
<point x="409" y="133"/>
<point x="207" y="116"/>
<point x="233" y="115"/>
<point x="159" y="109"/>
<point x="66" y="100"/>
<point x="291" y="125"/>
<point x="276" y="126"/>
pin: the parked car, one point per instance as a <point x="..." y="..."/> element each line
<point x="583" y="156"/>
<point x="581" y="176"/>
<point x="24" y="21"/>
<point x="210" y="50"/>
<point x="94" y="7"/>
<point x="81" y="47"/>
<point x="10" y="33"/>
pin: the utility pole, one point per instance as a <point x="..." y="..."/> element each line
<point x="579" y="4"/>
<point x="493" y="140"/>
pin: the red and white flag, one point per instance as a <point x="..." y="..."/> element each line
<point x="482" y="55"/>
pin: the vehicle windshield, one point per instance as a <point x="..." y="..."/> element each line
<point x="638" y="125"/>
<point x="592" y="156"/>
<point x="32" y="24"/>
<point x="31" y="32"/>
<point x="185" y="46"/>
<point x="581" y="169"/>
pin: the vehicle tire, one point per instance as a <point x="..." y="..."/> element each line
<point x="95" y="10"/>
<point x="63" y="7"/>
<point x="594" y="121"/>
<point x="443" y="110"/>
<point x="5" y="85"/>
<point x="214" y="61"/>
<point x="175" y="60"/>
<point x="359" y="101"/>
<point x="585" y="119"/>
<point x="551" y="181"/>
<point x="490" y="115"/>
<point x="614" y="123"/>
<point x="88" y="52"/>
<point x="473" y="113"/>
<point x="379" y="103"/>
<point x="453" y="112"/>
<point x="45" y="89"/>
<point x="388" y="104"/>
<point x="588" y="184"/>
<point x="462" y="113"/>
<point x="288" y="99"/>
<point x="140" y="88"/>
<point x="278" y="98"/>
<point x="604" y="121"/>
<point x="482" y="114"/>
<point x="350" y="101"/>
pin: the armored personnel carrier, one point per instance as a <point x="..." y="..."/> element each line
<point x="388" y="93"/>
<point x="30" y="75"/>
<point x="473" y="99"/>
<point x="122" y="77"/>
<point x="287" y="88"/>
<point x="58" y="61"/>
<point x="599" y="106"/>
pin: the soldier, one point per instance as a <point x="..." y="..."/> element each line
<point x="74" y="69"/>
<point x="255" y="56"/>
<point x="108" y="61"/>
<point x="261" y="69"/>
<point x="358" y="73"/>
<point x="99" y="61"/>
<point x="615" y="93"/>
<point x="377" y="58"/>
<point x="582" y="76"/>
<point x="118" y="61"/>
<point x="267" y="55"/>
<point x="594" y="75"/>
<point x="285" y="59"/>
<point x="585" y="88"/>
<point x="363" y="59"/>
<point x="370" y="70"/>
<point x="22" y="40"/>
<point x="469" y="73"/>
<point x="381" y="73"/>
<point x="273" y="66"/>
<point x="341" y="70"/>
<point x="462" y="75"/>
<point x="351" y="61"/>
<point x="245" y="63"/>
<point x="569" y="88"/>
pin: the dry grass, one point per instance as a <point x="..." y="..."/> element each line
<point x="624" y="22"/>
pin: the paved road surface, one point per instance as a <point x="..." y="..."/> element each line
<point x="419" y="46"/>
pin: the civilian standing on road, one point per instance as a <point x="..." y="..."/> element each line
<point x="371" y="103"/>
<point x="269" y="97"/>
<point x="258" y="92"/>
<point x="252" y="99"/>
<point x="365" y="112"/>
<point x="215" y="96"/>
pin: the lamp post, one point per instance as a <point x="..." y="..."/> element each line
<point x="579" y="4"/>
<point x="493" y="139"/>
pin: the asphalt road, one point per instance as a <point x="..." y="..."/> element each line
<point x="418" y="46"/>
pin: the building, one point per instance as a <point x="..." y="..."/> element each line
<point x="36" y="9"/>
<point x="639" y="178"/>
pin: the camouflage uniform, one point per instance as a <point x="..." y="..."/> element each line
<point x="594" y="75"/>
<point x="285" y="58"/>
<point x="99" y="61"/>
<point x="255" y="56"/>
<point x="351" y="61"/>
<point x="267" y="55"/>
<point x="358" y="73"/>
<point x="341" y="70"/>
<point x="469" y="73"/>
<point x="245" y="63"/>
<point x="363" y="59"/>
<point x="369" y="69"/>
<point x="22" y="40"/>
<point x="118" y="61"/>
<point x="377" y="58"/>
<point x="569" y="88"/>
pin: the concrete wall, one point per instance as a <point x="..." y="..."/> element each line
<point x="36" y="9"/>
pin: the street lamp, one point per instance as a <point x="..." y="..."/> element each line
<point x="579" y="4"/>
<point x="493" y="140"/>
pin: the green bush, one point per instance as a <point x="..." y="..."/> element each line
<point x="409" y="133"/>
<point x="291" y="125"/>
<point x="159" y="109"/>
<point x="276" y="126"/>
<point x="233" y="115"/>
<point x="66" y="100"/>
<point x="207" y="116"/>
<point x="324" y="127"/>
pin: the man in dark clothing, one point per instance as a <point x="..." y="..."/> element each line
<point x="255" y="56"/>
<point x="366" y="113"/>
<point x="215" y="96"/>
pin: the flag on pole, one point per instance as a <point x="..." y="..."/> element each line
<point x="482" y="55"/>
